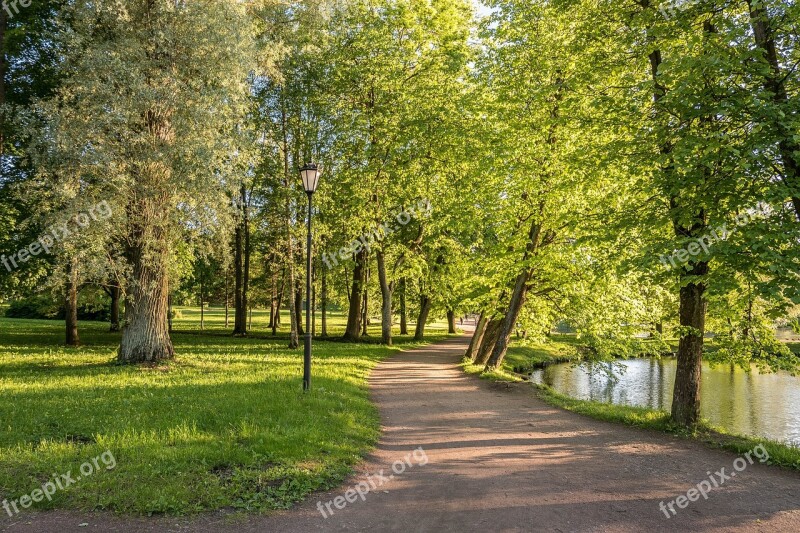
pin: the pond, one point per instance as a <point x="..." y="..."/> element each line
<point x="746" y="403"/>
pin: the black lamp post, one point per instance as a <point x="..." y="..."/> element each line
<point x="310" y="174"/>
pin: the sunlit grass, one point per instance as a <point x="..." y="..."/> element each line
<point x="225" y="425"/>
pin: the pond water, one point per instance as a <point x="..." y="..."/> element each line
<point x="747" y="403"/>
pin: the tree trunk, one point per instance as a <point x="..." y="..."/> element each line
<point x="365" y="305"/>
<point x="353" y="329"/>
<point x="313" y="302"/>
<point x="71" y="305"/>
<point x="474" y="344"/>
<point x="227" y="300"/>
<point x="451" y="321"/>
<point x="114" y="292"/>
<point x="202" y="310"/>
<point x="324" y="303"/>
<point x="169" y="313"/>
<point x="775" y="84"/>
<point x="294" y="335"/>
<point x="242" y="266"/>
<point x="686" y="397"/>
<point x="298" y="309"/>
<point x="491" y="334"/>
<point x="145" y="338"/>
<point x="386" y="300"/>
<point x="273" y="300"/>
<point x="403" y="310"/>
<point x="424" y="311"/>
<point x="3" y="69"/>
<point x="517" y="297"/>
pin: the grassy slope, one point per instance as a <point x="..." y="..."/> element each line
<point x="225" y="425"/>
<point x="563" y="349"/>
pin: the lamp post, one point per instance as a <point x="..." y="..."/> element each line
<point x="310" y="174"/>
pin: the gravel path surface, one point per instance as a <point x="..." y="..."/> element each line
<point x="491" y="457"/>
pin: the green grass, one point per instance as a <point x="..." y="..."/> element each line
<point x="779" y="453"/>
<point x="224" y="425"/>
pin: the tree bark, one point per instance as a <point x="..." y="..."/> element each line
<point x="353" y="329"/>
<point x="298" y="308"/>
<point x="114" y="291"/>
<point x="227" y="300"/>
<point x="202" y="309"/>
<point x="775" y="84"/>
<point x="451" y="321"/>
<point x="424" y="311"/>
<point x="145" y="338"/>
<point x="474" y="344"/>
<point x="686" y="396"/>
<point x="386" y="300"/>
<point x="365" y="305"/>
<point x="242" y="266"/>
<point x="3" y="69"/>
<point x="71" y="305"/>
<point x="324" y="303"/>
<point x="518" y="297"/>
<point x="491" y="334"/>
<point x="403" y="310"/>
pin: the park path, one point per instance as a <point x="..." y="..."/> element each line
<point x="499" y="459"/>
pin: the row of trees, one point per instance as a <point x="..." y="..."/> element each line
<point x="561" y="150"/>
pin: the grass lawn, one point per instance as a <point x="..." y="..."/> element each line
<point x="225" y="425"/>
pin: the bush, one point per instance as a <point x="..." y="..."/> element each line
<point x="39" y="307"/>
<point x="44" y="307"/>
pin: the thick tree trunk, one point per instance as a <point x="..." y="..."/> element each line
<point x="386" y="300"/>
<point x="686" y="396"/>
<point x="353" y="329"/>
<point x="451" y="321"/>
<point x="422" y="319"/>
<point x="484" y="351"/>
<point x="775" y="84"/>
<point x="114" y="291"/>
<point x="145" y="338"/>
<point x="403" y="310"/>
<point x="71" y="305"/>
<point x="475" y="343"/>
<point x="169" y="313"/>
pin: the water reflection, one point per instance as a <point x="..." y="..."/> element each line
<point x="748" y="403"/>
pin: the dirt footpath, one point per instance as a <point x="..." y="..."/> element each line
<point x="462" y="454"/>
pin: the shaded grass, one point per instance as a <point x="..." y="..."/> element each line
<point x="224" y="425"/>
